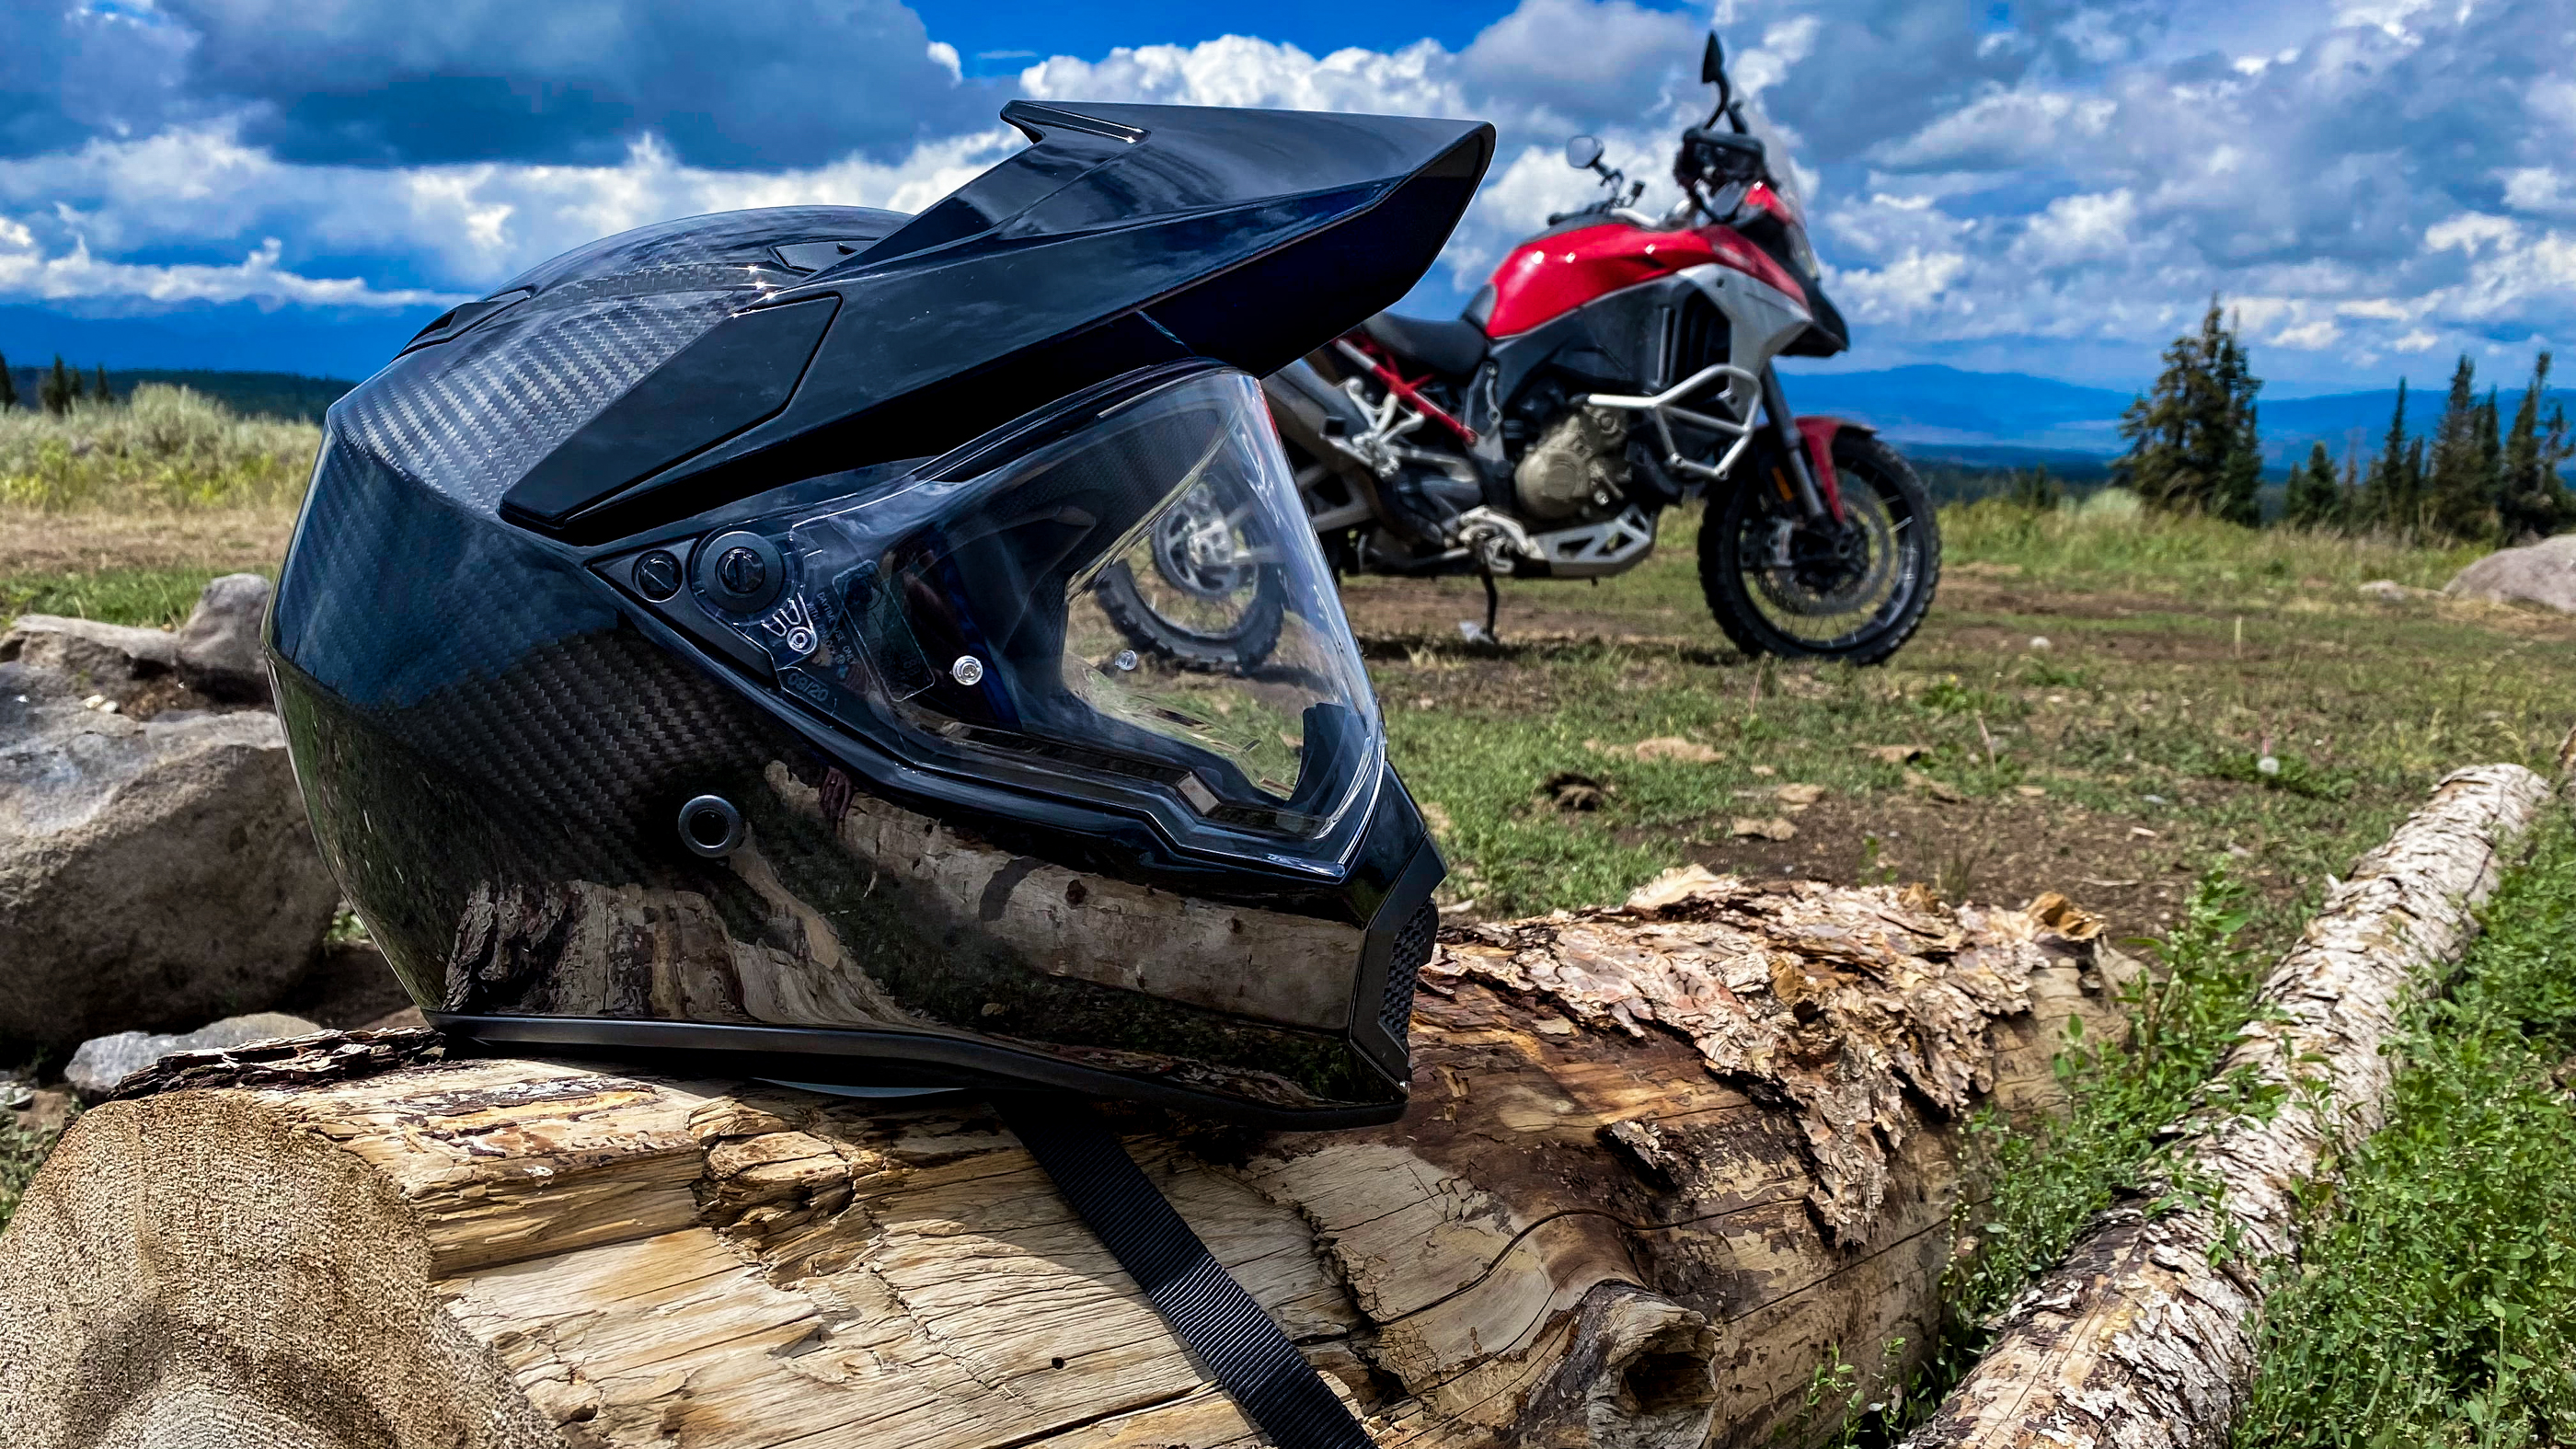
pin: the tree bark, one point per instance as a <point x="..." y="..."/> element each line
<point x="1659" y="1161"/>
<point x="2144" y="1338"/>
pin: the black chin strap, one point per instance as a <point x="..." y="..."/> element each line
<point x="1236" y="1343"/>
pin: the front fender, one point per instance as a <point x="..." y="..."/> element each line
<point x="1819" y="431"/>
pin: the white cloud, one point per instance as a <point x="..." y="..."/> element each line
<point x="2389" y="175"/>
<point x="455" y="227"/>
<point x="27" y="273"/>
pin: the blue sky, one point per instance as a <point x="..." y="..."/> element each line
<point x="2047" y="186"/>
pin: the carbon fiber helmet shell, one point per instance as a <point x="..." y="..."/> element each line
<point x="500" y="692"/>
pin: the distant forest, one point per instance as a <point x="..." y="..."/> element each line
<point x="276" y="394"/>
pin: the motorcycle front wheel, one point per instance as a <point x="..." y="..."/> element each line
<point x="1207" y="596"/>
<point x="1781" y="586"/>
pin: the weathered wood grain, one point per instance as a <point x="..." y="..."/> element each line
<point x="2145" y="1337"/>
<point x="1658" y="1159"/>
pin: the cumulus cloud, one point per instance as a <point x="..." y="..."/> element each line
<point x="451" y="227"/>
<point x="2363" y="179"/>
<point x="27" y="273"/>
<point x="783" y="82"/>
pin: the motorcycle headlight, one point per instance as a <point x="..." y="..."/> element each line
<point x="1117" y="600"/>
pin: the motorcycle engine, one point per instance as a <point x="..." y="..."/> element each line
<point x="1580" y="463"/>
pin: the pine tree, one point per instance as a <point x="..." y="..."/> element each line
<point x="2491" y="449"/>
<point x="59" y="388"/>
<point x="2388" y="499"/>
<point x="2457" y="494"/>
<point x="2348" y="499"/>
<point x="2193" y="445"/>
<point x="2036" y="489"/>
<point x="2315" y="500"/>
<point x="2240" y="472"/>
<point x="8" y="385"/>
<point x="2531" y="501"/>
<point x="100" y="391"/>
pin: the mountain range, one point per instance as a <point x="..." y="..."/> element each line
<point x="1995" y="418"/>
<point x="1982" y="420"/>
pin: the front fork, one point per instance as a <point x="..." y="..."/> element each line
<point x="1812" y="504"/>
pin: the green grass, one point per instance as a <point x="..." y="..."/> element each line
<point x="2163" y="687"/>
<point x="21" y="1153"/>
<point x="154" y="598"/>
<point x="2108" y="544"/>
<point x="2436" y="1303"/>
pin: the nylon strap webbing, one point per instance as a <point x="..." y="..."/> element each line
<point x="1237" y="1344"/>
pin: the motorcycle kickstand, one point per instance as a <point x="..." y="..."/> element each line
<point x="1493" y="605"/>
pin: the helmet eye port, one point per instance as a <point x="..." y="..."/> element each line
<point x="710" y="826"/>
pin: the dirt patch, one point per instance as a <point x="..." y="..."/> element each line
<point x="92" y="542"/>
<point x="1394" y="612"/>
<point x="2003" y="851"/>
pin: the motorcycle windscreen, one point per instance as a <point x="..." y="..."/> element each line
<point x="1122" y="604"/>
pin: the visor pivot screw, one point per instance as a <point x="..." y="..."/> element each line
<point x="741" y="572"/>
<point x="1126" y="660"/>
<point x="657" y="575"/>
<point x="710" y="826"/>
<point x="968" y="670"/>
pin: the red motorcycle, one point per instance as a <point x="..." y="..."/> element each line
<point x="1616" y="365"/>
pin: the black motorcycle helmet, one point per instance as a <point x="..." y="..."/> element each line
<point x="711" y="643"/>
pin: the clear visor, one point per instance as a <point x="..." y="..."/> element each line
<point x="1122" y="603"/>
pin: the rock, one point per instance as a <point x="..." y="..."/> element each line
<point x="2386" y="591"/>
<point x="104" y="1061"/>
<point x="2543" y="574"/>
<point x="351" y="988"/>
<point x="153" y="873"/>
<point x="43" y="1113"/>
<point x="110" y="660"/>
<point x="1674" y="747"/>
<point x="218" y="648"/>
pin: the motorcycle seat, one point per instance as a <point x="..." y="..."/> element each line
<point x="1451" y="349"/>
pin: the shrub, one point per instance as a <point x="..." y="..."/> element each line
<point x="166" y="447"/>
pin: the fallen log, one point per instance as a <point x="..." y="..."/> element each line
<point x="2144" y="1338"/>
<point x="1659" y="1160"/>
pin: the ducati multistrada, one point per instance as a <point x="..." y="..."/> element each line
<point x="1616" y="365"/>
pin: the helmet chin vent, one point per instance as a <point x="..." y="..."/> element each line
<point x="711" y="826"/>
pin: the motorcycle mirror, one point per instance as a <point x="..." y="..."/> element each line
<point x="1583" y="152"/>
<point x="1712" y="63"/>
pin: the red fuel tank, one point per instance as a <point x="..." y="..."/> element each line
<point x="1546" y="277"/>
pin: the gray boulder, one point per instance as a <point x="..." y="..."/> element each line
<point x="153" y="874"/>
<point x="104" y="1061"/>
<point x="107" y="659"/>
<point x="218" y="648"/>
<point x="2543" y="573"/>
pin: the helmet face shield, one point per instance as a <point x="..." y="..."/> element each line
<point x="980" y="617"/>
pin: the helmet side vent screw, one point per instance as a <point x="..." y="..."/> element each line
<point x="968" y="670"/>
<point x="710" y="826"/>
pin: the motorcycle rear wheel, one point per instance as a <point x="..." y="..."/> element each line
<point x="1778" y="586"/>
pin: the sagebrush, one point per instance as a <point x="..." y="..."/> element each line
<point x="166" y="447"/>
